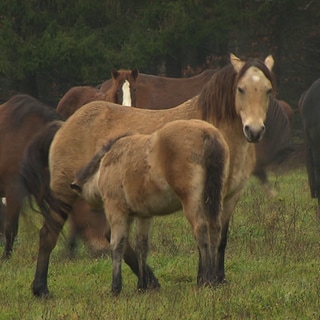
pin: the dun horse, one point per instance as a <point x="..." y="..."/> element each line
<point x="156" y="92"/>
<point x="310" y="115"/>
<point x="185" y="163"/>
<point x="122" y="91"/>
<point x="235" y="100"/>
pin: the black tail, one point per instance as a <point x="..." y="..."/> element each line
<point x="35" y="176"/>
<point x="92" y="167"/>
<point x="215" y="161"/>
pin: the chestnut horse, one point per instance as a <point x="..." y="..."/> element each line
<point x="182" y="165"/>
<point x="310" y="115"/>
<point x="122" y="90"/>
<point x="235" y="100"/>
<point x="21" y="117"/>
<point x="156" y="92"/>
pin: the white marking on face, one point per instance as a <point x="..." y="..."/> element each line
<point x="126" y="96"/>
<point x="255" y="78"/>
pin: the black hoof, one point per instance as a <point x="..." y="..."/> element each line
<point x="40" y="292"/>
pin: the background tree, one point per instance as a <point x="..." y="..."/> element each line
<point x="47" y="46"/>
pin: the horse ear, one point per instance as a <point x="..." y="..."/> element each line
<point x="114" y="73"/>
<point x="135" y="73"/>
<point x="269" y="62"/>
<point x="236" y="62"/>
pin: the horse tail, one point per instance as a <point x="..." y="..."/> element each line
<point x="216" y="164"/>
<point x="84" y="174"/>
<point x="35" y="175"/>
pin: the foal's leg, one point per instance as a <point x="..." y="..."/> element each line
<point x="130" y="258"/>
<point x="48" y="239"/>
<point x="119" y="224"/>
<point x="142" y="249"/>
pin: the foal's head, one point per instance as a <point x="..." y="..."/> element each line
<point x="123" y="90"/>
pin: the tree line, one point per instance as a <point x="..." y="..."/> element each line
<point x="48" y="46"/>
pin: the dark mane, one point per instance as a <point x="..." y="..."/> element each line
<point x="91" y="168"/>
<point x="22" y="105"/>
<point x="217" y="98"/>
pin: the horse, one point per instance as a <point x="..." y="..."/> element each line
<point x="276" y="144"/>
<point x="157" y="92"/>
<point x="21" y="117"/>
<point x="122" y="90"/>
<point x="182" y="165"/>
<point x="310" y="116"/>
<point x="235" y="100"/>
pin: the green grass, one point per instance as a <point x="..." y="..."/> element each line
<point x="272" y="267"/>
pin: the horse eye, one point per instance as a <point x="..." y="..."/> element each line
<point x="241" y="90"/>
<point x="269" y="91"/>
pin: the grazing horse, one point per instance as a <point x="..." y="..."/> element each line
<point x="21" y="117"/>
<point x="310" y="115"/>
<point x="235" y="100"/>
<point x="182" y="165"/>
<point x="122" y="91"/>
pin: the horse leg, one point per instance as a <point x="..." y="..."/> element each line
<point x="142" y="249"/>
<point x="48" y="239"/>
<point x="221" y="254"/>
<point x="11" y="221"/>
<point x="130" y="258"/>
<point x="119" y="225"/>
<point x="262" y="176"/>
<point x="207" y="234"/>
<point x="2" y="222"/>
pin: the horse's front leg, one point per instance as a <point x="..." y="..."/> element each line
<point x="221" y="254"/>
<point x="142" y="249"/>
<point x="48" y="238"/>
<point x="206" y="231"/>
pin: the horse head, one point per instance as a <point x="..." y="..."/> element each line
<point x="254" y="86"/>
<point x="123" y="90"/>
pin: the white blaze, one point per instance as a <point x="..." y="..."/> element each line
<point x="126" y="96"/>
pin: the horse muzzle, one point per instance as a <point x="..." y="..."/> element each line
<point x="254" y="135"/>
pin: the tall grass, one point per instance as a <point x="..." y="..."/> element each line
<point x="272" y="267"/>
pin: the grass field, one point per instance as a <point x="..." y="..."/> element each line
<point x="272" y="267"/>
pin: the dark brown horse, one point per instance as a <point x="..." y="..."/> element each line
<point x="310" y="115"/>
<point x="21" y="118"/>
<point x="235" y="100"/>
<point x="122" y="90"/>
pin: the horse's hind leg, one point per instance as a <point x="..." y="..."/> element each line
<point x="130" y="258"/>
<point x="142" y="249"/>
<point x="48" y="238"/>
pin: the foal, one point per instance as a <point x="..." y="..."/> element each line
<point x="184" y="164"/>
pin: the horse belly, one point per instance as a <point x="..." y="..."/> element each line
<point x="155" y="203"/>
